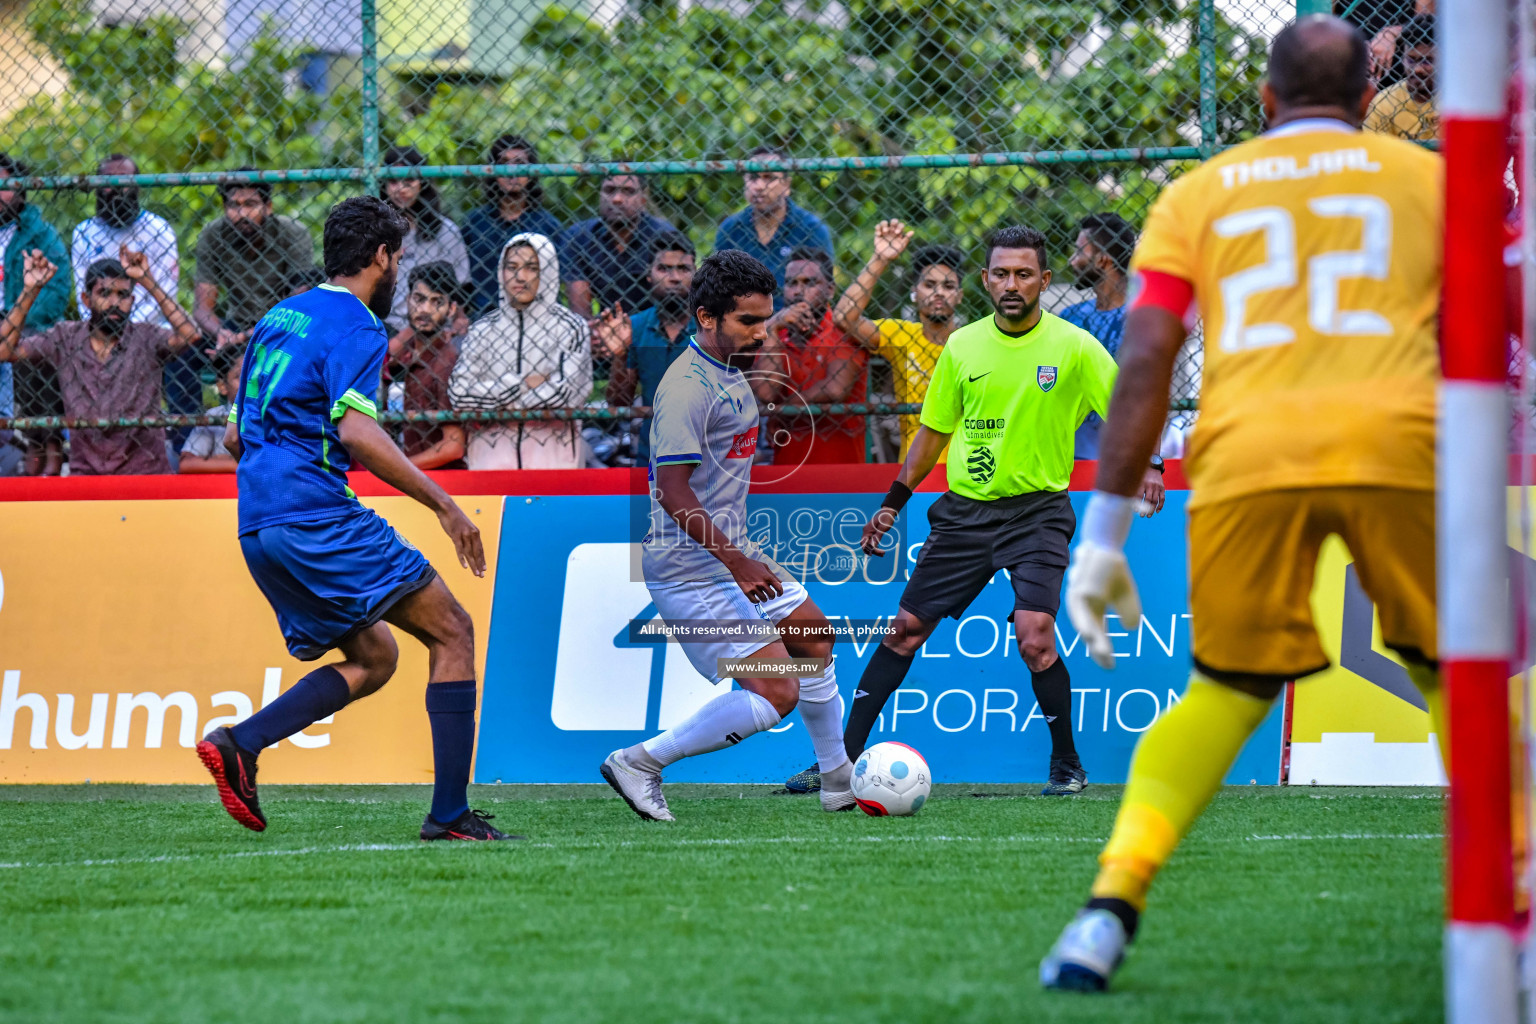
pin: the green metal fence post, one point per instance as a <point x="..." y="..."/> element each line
<point x="370" y="97"/>
<point x="1207" y="33"/>
<point x="1306" y="7"/>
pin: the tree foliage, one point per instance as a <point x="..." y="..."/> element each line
<point x="897" y="77"/>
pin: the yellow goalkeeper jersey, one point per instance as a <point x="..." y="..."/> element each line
<point x="1314" y="254"/>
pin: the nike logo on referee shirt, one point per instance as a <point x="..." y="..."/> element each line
<point x="978" y="377"/>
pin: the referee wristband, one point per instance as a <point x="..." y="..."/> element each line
<point x="1107" y="520"/>
<point x="896" y="498"/>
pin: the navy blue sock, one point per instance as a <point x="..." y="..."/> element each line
<point x="321" y="693"/>
<point x="451" y="710"/>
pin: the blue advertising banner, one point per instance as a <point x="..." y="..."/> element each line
<point x="567" y="679"/>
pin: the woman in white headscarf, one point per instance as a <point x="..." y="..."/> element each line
<point x="532" y="353"/>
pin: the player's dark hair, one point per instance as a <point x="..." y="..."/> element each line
<point x="773" y="151"/>
<point x="261" y="188"/>
<point x="437" y="276"/>
<point x="937" y="256"/>
<point x="1112" y="233"/>
<point x="224" y="359"/>
<point x="725" y="276"/>
<point x="428" y="208"/>
<point x="1017" y="237"/>
<point x="500" y="146"/>
<point x="672" y="241"/>
<point x="354" y="230"/>
<point x="812" y="254"/>
<point x="112" y="158"/>
<point x="1319" y="61"/>
<point x="1420" y="31"/>
<point x="103" y="270"/>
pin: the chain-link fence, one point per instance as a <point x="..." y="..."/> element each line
<point x="634" y="136"/>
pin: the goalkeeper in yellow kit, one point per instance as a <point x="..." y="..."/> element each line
<point x="1312" y="253"/>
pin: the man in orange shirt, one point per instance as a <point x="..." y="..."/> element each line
<point x="809" y="360"/>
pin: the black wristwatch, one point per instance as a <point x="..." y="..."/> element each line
<point x="1157" y="463"/>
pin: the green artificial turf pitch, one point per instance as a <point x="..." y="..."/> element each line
<point x="147" y="903"/>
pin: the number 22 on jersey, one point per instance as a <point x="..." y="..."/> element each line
<point x="1325" y="272"/>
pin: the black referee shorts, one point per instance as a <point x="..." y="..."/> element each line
<point x="1030" y="535"/>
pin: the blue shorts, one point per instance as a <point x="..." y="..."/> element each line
<point x="328" y="581"/>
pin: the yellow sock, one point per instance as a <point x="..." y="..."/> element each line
<point x="1178" y="766"/>
<point x="1428" y="682"/>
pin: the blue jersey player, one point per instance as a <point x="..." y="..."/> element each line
<point x="334" y="571"/>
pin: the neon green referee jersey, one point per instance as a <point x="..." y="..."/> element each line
<point x="1013" y="404"/>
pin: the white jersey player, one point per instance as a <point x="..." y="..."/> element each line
<point x="699" y="567"/>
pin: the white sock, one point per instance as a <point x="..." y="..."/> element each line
<point x="821" y="709"/>
<point x="729" y="718"/>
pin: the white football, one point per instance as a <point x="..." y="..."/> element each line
<point x="891" y="778"/>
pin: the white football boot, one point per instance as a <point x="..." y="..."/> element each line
<point x="1087" y="954"/>
<point x="837" y="788"/>
<point x="639" y="786"/>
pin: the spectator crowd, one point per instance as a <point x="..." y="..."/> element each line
<point x="511" y="312"/>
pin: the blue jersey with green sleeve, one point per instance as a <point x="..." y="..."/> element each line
<point x="310" y="359"/>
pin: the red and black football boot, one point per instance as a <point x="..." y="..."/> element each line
<point x="234" y="770"/>
<point x="471" y="825"/>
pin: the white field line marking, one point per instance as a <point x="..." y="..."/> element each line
<point x="305" y="851"/>
<point x="1375" y="796"/>
<point x="1345" y="836"/>
<point x="180" y="858"/>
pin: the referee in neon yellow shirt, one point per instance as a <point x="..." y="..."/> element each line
<point x="1007" y="396"/>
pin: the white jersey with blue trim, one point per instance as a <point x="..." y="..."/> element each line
<point x="704" y="415"/>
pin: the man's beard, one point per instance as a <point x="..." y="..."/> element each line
<point x="109" y="322"/>
<point x="514" y="191"/>
<point x="743" y="358"/>
<point x="117" y="209"/>
<point x="672" y="306"/>
<point x="427" y="330"/>
<point x="1089" y="277"/>
<point x="11" y="210"/>
<point x="383" y="298"/>
<point x="1027" y="312"/>
<point x="619" y="221"/>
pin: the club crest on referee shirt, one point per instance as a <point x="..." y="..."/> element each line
<point x="1045" y="376"/>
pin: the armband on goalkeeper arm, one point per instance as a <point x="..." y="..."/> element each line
<point x="1163" y="291"/>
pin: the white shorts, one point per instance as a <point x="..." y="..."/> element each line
<point x="722" y="601"/>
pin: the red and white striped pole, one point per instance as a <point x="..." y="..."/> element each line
<point x="1476" y="636"/>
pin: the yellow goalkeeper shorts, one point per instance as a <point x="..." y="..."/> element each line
<point x="1252" y="560"/>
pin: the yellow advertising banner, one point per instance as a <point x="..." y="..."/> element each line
<point x="1361" y="723"/>
<point x="128" y="629"/>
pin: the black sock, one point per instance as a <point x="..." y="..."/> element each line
<point x="318" y="695"/>
<point x="884" y="674"/>
<point x="451" y="710"/>
<point x="1128" y="915"/>
<point x="1053" y="689"/>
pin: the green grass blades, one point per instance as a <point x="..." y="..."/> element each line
<point x="129" y="903"/>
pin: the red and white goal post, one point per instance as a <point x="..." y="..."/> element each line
<point x="1480" y="602"/>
